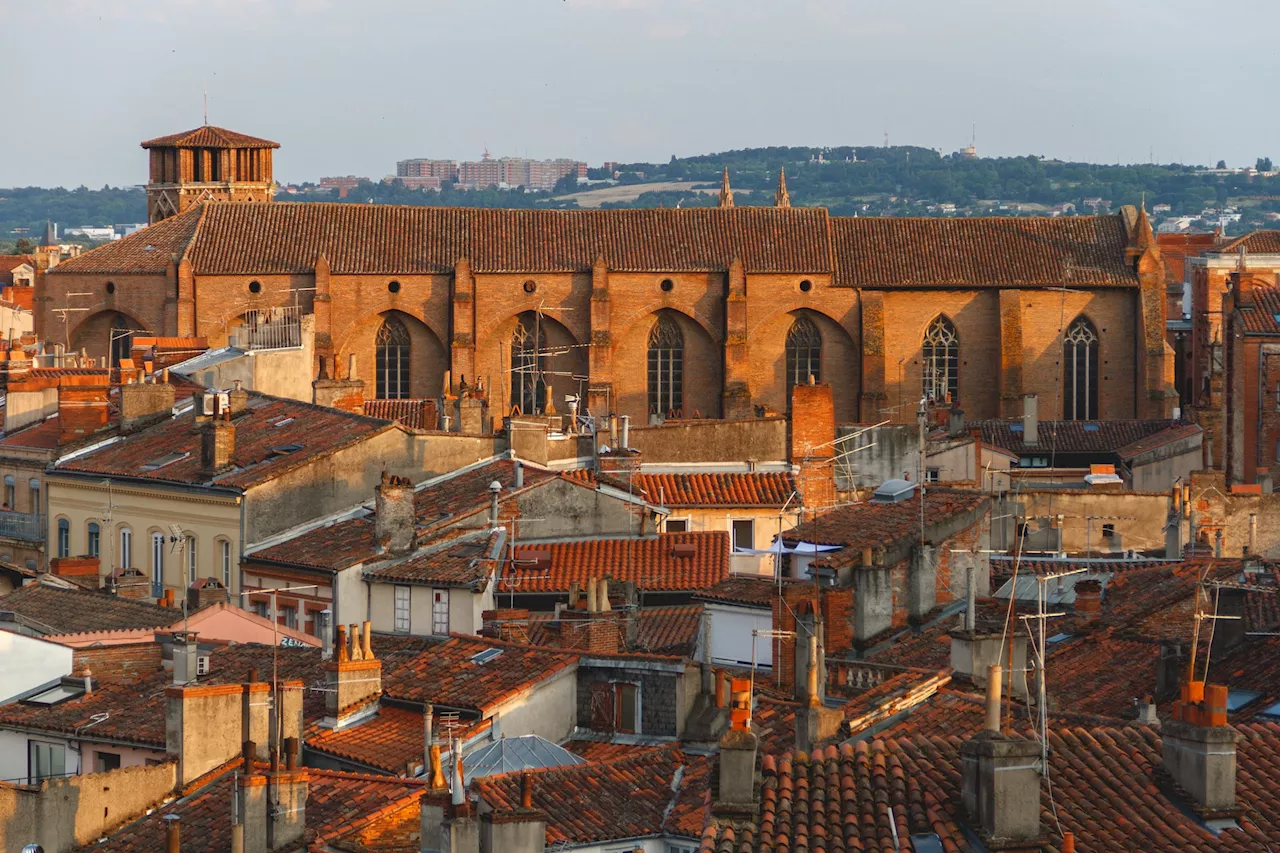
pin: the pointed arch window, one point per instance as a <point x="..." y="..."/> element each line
<point x="941" y="360"/>
<point x="666" y="368"/>
<point x="392" y="360"/>
<point x="528" y="365"/>
<point x="1080" y="371"/>
<point x="804" y="353"/>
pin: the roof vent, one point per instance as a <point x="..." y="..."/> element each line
<point x="894" y="491"/>
<point x="684" y="549"/>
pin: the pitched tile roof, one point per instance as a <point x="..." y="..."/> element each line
<point x="663" y="630"/>
<point x="134" y="713"/>
<point x="440" y="502"/>
<point x="1105" y="791"/>
<point x="456" y="559"/>
<point x="1263" y="242"/>
<point x="339" y="807"/>
<point x="1078" y="251"/>
<point x="751" y="590"/>
<point x="51" y="610"/>
<point x="952" y="712"/>
<point x="651" y="562"/>
<point x="872" y="524"/>
<point x="1175" y="248"/>
<point x="388" y="741"/>
<point x="273" y="436"/>
<point x="1260" y="318"/>
<point x="762" y="489"/>
<point x="209" y="136"/>
<point x="289" y="238"/>
<point x="448" y="675"/>
<point x="596" y="802"/>
<point x="1076" y="436"/>
<point x="145" y="251"/>
<point x="604" y="750"/>
<point x="413" y="414"/>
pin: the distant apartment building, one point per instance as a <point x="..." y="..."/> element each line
<point x="441" y="170"/>
<point x="343" y="185"/>
<point x="418" y="182"/>
<point x="488" y="172"/>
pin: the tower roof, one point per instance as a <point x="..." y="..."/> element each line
<point x="782" y="198"/>
<point x="726" y="194"/>
<point x="209" y="136"/>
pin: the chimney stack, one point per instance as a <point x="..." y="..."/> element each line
<point x="186" y="657"/>
<point x="1088" y="604"/>
<point x="172" y="833"/>
<point x="354" y="677"/>
<point x="218" y="443"/>
<point x="140" y="403"/>
<point x="738" y="753"/>
<point x="955" y="422"/>
<point x="495" y="490"/>
<point x="395" y="520"/>
<point x="1199" y="747"/>
<point x="1030" y="420"/>
<point x="1000" y="780"/>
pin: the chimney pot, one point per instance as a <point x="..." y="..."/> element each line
<point x="173" y="833"/>
<point x="1030" y="420"/>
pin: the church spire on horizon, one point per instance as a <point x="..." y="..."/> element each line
<point x="782" y="198"/>
<point x="726" y="194"/>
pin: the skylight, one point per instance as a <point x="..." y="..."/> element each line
<point x="1058" y="638"/>
<point x="1271" y="712"/>
<point x="1090" y="427"/>
<point x="1237" y="699"/>
<point x="282" y="449"/>
<point x="926" y="843"/>
<point x="1015" y="427"/>
<point x="167" y="459"/>
<point x="481" y="658"/>
<point x="283" y="422"/>
<point x="54" y="695"/>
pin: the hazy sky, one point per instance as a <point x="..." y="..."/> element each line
<point x="351" y="86"/>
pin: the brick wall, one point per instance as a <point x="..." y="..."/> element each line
<point x="128" y="663"/>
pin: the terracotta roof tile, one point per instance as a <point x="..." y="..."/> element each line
<point x="745" y="589"/>
<point x="145" y="251"/>
<point x="1176" y="248"/>
<point x="273" y="436"/>
<point x="411" y="414"/>
<point x="663" y="630"/>
<point x="1078" y="251"/>
<point x="1260" y="318"/>
<point x="595" y="802"/>
<point x="209" y="136"/>
<point x="605" y="750"/>
<point x="52" y="610"/>
<point x="1261" y="242"/>
<point x="651" y="562"/>
<point x="459" y="559"/>
<point x="447" y="674"/>
<point x="870" y="524"/>
<point x="765" y="489"/>
<point x="1079" y="436"/>
<point x="135" y="712"/>
<point x="389" y="741"/>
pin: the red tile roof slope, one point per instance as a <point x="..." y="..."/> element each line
<point x="8" y="263"/>
<point x="52" y="610"/>
<point x="1260" y="318"/>
<point x="135" y="713"/>
<point x="447" y="675"/>
<point x="288" y="238"/>
<point x="1073" y="436"/>
<point x="663" y="630"/>
<point x="764" y="489"/>
<point x="753" y="591"/>
<point x="263" y="430"/>
<point x="1078" y="251"/>
<point x="143" y="252"/>
<point x="871" y="524"/>
<point x="1176" y="248"/>
<point x="338" y="806"/>
<point x="650" y="562"/>
<point x="1262" y="242"/>
<point x="412" y="414"/>
<point x="209" y="136"/>
<point x="953" y="712"/>
<point x="41" y="436"/>
<point x="345" y="543"/>
<point x="388" y="741"/>
<point x="452" y="560"/>
<point x="1104" y="787"/>
<point x="595" y="802"/>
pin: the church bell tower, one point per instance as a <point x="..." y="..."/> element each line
<point x="207" y="164"/>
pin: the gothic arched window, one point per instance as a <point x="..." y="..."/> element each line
<point x="528" y="384"/>
<point x="392" y="360"/>
<point x="941" y="358"/>
<point x="121" y="340"/>
<point x="666" y="368"/>
<point x="1080" y="372"/>
<point x="804" y="353"/>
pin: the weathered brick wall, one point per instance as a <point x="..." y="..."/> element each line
<point x="128" y="663"/>
<point x="144" y="300"/>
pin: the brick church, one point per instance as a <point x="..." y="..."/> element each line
<point x="711" y="312"/>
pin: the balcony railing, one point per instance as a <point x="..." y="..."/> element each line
<point x="26" y="526"/>
<point x="275" y="328"/>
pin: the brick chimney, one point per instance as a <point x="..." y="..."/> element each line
<point x="130" y="583"/>
<point x="345" y="394"/>
<point x="518" y="830"/>
<point x="737" y="771"/>
<point x="143" y="402"/>
<point x="1000" y="781"/>
<point x="353" y="677"/>
<point x="82" y="406"/>
<point x="813" y="433"/>
<point x="205" y="592"/>
<point x="1199" y="748"/>
<point x="217" y="444"/>
<point x="74" y="566"/>
<point x="394" y="518"/>
<point x="1088" y="604"/>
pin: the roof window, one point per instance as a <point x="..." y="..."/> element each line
<point x="67" y="688"/>
<point x="283" y="422"/>
<point x="1015" y="427"/>
<point x="282" y="449"/>
<point x="167" y="459"/>
<point x="926" y="843"/>
<point x="1271" y="712"/>
<point x="1237" y="699"/>
<point x="1058" y="638"/>
<point x="481" y="658"/>
<point x="1090" y="427"/>
<point x="893" y="491"/>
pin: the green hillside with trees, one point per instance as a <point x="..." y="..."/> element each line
<point x="895" y="181"/>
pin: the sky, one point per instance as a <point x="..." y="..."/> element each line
<point x="352" y="86"/>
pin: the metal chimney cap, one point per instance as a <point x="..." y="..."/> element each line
<point x="495" y="487"/>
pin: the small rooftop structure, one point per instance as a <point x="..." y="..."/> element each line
<point x="513" y="754"/>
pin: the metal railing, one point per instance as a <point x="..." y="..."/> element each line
<point x="275" y="328"/>
<point x="26" y="526"/>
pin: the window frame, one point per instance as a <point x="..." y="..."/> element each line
<point x="439" y="597"/>
<point x="683" y="520"/>
<point x="1081" y="342"/>
<point x="733" y="533"/>
<point x="11" y="492"/>
<point x="528" y="365"/>
<point x="402" y="604"/>
<point x="192" y="557"/>
<point x="803" y="353"/>
<point x="940" y="346"/>
<point x="93" y="539"/>
<point x="392" y="359"/>
<point x="64" y="537"/>
<point x="620" y="689"/>
<point x="157" y="559"/>
<point x="61" y="749"/>
<point x="126" y="547"/>
<point x="664" y="368"/>
<point x="225" y="556"/>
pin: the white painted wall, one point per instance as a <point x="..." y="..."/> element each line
<point x="731" y="636"/>
<point x="550" y="710"/>
<point x="27" y="662"/>
<point x="13" y="754"/>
